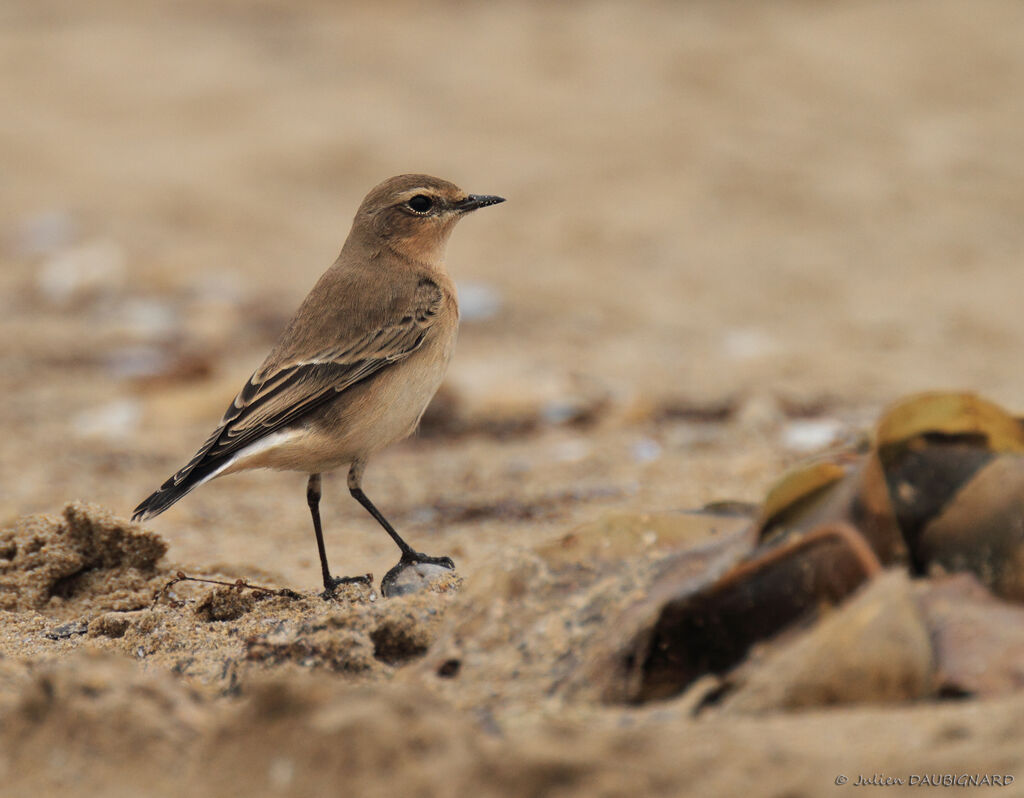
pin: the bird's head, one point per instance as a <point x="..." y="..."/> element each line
<point x="415" y="214"/>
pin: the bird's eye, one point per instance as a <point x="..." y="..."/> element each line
<point x="421" y="203"/>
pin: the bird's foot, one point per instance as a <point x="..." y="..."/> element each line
<point x="418" y="558"/>
<point x="393" y="585"/>
<point x="336" y="581"/>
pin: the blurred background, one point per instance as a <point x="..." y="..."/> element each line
<point x="723" y="219"/>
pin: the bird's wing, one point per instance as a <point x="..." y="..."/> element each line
<point x="283" y="391"/>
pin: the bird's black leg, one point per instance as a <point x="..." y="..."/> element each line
<point x="330" y="582"/>
<point x="313" y="500"/>
<point x="409" y="555"/>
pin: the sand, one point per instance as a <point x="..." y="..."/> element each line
<point x="734" y="233"/>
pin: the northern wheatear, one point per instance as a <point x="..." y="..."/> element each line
<point x="358" y="363"/>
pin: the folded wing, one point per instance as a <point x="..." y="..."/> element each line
<point x="280" y="394"/>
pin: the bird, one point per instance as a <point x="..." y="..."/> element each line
<point x="356" y="366"/>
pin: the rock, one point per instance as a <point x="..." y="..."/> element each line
<point x="709" y="607"/>
<point x="939" y="489"/>
<point x="873" y="649"/>
<point x="981" y="529"/>
<point x="954" y="468"/>
<point x="978" y="639"/>
<point x="847" y="489"/>
<point x="66" y="630"/>
<point x="405" y="579"/>
<point x="611" y="663"/>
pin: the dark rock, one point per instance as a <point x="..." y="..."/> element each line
<point x="703" y="615"/>
<point x="872" y="649"/>
<point x="981" y="529"/>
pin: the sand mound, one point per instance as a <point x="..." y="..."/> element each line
<point x="87" y="556"/>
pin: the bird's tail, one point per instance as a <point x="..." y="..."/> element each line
<point x="158" y="501"/>
<point x="176" y="487"/>
<point x="162" y="498"/>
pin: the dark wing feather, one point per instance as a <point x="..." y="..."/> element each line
<point x="279" y="395"/>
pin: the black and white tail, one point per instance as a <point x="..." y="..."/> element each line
<point x="199" y="469"/>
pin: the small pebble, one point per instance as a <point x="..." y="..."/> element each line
<point x="415" y="579"/>
<point x="808" y="435"/>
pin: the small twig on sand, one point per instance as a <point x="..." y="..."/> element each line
<point x="239" y="584"/>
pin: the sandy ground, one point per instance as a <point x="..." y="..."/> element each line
<point x="734" y="232"/>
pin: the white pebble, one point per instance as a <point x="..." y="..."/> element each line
<point x="808" y="435"/>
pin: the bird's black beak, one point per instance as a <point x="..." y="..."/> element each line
<point x="474" y="201"/>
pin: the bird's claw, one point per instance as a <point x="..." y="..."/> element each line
<point x="337" y="581"/>
<point x="418" y="558"/>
